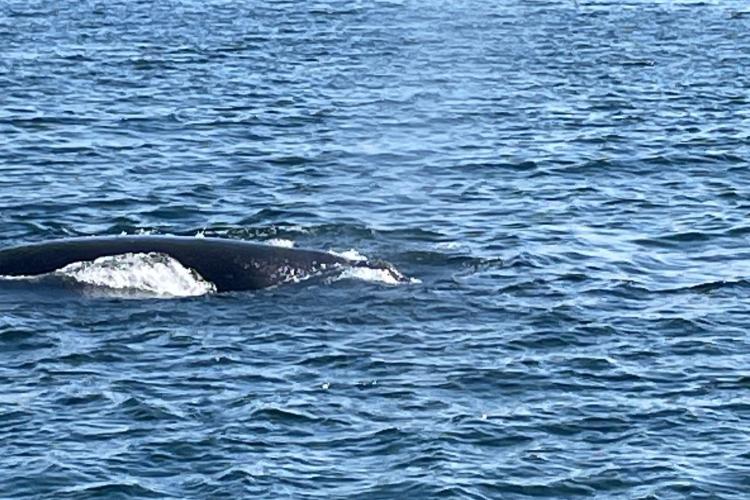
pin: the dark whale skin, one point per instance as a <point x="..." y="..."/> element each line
<point x="231" y="265"/>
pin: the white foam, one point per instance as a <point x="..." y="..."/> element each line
<point x="139" y="232"/>
<point x="369" y="274"/>
<point x="449" y="245"/>
<point x="388" y="276"/>
<point x="150" y="274"/>
<point x="350" y="254"/>
<point x="19" y="277"/>
<point x="280" y="242"/>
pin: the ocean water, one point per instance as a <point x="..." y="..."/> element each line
<point x="566" y="182"/>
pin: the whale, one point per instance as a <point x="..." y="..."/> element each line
<point x="231" y="265"/>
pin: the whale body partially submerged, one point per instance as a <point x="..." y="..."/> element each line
<point x="231" y="265"/>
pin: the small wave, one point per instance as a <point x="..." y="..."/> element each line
<point x="706" y="287"/>
<point x="151" y="274"/>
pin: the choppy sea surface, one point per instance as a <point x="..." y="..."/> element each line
<point x="566" y="182"/>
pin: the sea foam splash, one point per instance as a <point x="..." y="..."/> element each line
<point x="386" y="275"/>
<point x="365" y="269"/>
<point x="280" y="242"/>
<point x="350" y="254"/>
<point x="151" y="274"/>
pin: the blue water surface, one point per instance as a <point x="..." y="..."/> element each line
<point x="568" y="181"/>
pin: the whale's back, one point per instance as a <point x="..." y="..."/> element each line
<point x="228" y="264"/>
